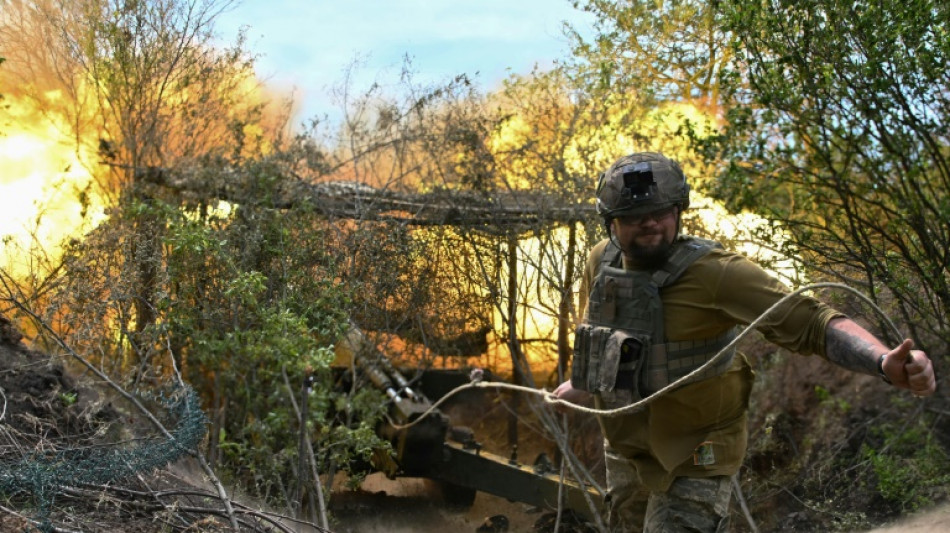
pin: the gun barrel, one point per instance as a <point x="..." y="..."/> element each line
<point x="375" y="375"/>
<point x="397" y="376"/>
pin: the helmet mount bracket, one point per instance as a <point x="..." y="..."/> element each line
<point x="638" y="182"/>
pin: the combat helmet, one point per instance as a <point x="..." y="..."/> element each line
<point x="639" y="183"/>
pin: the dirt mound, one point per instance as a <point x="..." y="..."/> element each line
<point x="43" y="403"/>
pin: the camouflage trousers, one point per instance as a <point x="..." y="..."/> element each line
<point x="699" y="505"/>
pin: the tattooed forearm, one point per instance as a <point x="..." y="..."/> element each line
<point x="850" y="346"/>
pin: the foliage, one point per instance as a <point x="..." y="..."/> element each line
<point x="426" y="140"/>
<point x="837" y="131"/>
<point x="910" y="465"/>
<point x="268" y="307"/>
<point x="249" y="309"/>
<point x="147" y="83"/>
<point x="670" y="51"/>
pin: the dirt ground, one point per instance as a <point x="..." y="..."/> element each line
<point x="414" y="506"/>
<point x="936" y="520"/>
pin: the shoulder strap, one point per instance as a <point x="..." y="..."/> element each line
<point x="686" y="250"/>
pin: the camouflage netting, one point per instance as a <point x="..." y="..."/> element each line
<point x="74" y="456"/>
<point x="45" y="473"/>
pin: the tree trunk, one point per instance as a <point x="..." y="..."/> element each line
<point x="564" y="309"/>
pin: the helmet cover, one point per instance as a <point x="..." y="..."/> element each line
<point x="639" y="183"/>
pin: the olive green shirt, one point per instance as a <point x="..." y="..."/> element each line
<point x="700" y="429"/>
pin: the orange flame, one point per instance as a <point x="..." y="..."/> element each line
<point x="41" y="180"/>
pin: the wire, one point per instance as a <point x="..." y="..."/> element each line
<point x="551" y="399"/>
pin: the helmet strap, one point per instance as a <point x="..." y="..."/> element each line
<point x="608" y="222"/>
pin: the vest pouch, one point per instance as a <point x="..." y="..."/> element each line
<point x="606" y="359"/>
<point x="625" y="356"/>
<point x="589" y="347"/>
<point x="581" y="360"/>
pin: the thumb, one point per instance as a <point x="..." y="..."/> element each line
<point x="901" y="354"/>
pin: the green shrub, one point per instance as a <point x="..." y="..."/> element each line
<point x="911" y="466"/>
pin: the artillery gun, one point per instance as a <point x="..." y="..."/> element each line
<point x="433" y="449"/>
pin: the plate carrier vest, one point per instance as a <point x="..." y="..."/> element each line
<point x="620" y="351"/>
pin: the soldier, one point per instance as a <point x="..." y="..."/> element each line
<point x="658" y="305"/>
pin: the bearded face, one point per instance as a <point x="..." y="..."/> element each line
<point x="646" y="240"/>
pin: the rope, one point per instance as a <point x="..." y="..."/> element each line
<point x="551" y="399"/>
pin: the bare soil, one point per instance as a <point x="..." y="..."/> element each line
<point x="407" y="505"/>
<point x="936" y="520"/>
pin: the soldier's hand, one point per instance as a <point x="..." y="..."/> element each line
<point x="910" y="369"/>
<point x="565" y="391"/>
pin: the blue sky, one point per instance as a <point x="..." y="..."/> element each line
<point x="307" y="45"/>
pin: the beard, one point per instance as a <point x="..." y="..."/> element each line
<point x="649" y="257"/>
